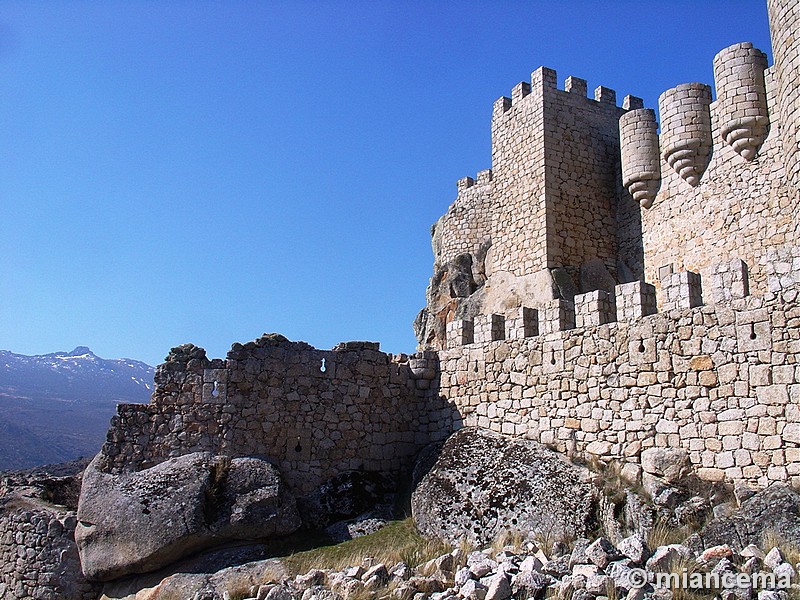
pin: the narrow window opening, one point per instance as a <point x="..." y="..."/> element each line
<point x="641" y="345"/>
<point x="322" y="367"/>
<point x="752" y="331"/>
<point x="215" y="391"/>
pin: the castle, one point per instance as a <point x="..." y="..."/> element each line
<point x="540" y="319"/>
<point x="603" y="289"/>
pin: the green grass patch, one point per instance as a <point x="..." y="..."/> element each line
<point x="398" y="541"/>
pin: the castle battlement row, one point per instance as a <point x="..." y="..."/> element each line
<point x="628" y="302"/>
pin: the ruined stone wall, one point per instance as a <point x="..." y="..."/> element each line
<point x="467" y="223"/>
<point x="721" y="381"/>
<point x="739" y="208"/>
<point x="38" y="556"/>
<point x="313" y="413"/>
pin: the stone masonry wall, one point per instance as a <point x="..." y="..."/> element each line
<point x="467" y="223"/>
<point x="721" y="381"/>
<point x="555" y="163"/>
<point x="519" y="245"/>
<point x="582" y="160"/>
<point x="314" y="413"/>
<point x="38" y="556"/>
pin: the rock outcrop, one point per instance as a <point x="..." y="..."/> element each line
<point x="775" y="510"/>
<point x="141" y="521"/>
<point x="484" y="483"/>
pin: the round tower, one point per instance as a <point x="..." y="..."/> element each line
<point x="686" y="129"/>
<point x="784" y="25"/>
<point x="741" y="97"/>
<point x="641" y="163"/>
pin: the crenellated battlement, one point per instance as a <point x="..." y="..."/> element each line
<point x="629" y="302"/>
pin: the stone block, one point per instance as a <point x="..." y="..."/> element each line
<point x="729" y="281"/>
<point x="556" y="315"/>
<point x="460" y="332"/>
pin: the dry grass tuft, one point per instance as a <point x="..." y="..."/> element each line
<point x="664" y="534"/>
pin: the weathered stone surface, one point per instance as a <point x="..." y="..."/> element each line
<point x="347" y="496"/>
<point x="484" y="483"/>
<point x="671" y="464"/>
<point x="139" y="522"/>
<point x="775" y="509"/>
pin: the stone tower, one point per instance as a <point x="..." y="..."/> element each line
<point x="784" y="24"/>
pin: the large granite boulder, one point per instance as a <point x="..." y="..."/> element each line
<point x="137" y="522"/>
<point x="484" y="483"/>
<point x="775" y="510"/>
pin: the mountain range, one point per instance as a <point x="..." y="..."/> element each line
<point x="57" y="407"/>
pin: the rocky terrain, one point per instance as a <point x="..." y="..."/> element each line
<point x="522" y="520"/>
<point x="56" y="407"/>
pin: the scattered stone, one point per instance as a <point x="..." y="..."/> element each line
<point x="578" y="556"/>
<point x="473" y="590"/>
<point x="664" y="556"/>
<point x="598" y="585"/>
<point x="498" y="588"/>
<point x="558" y="567"/>
<point x="530" y="583"/>
<point x="635" y="548"/>
<point x="601" y="552"/>
<point x="751" y="551"/>
<point x="530" y="564"/>
<point x="785" y="571"/>
<point x="716" y="553"/>
<point x="773" y="558"/>
<point x="462" y="576"/>
<point x="671" y="464"/>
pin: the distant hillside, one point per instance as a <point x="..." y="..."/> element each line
<point x="56" y="407"/>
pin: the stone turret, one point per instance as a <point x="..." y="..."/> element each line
<point x="741" y="107"/>
<point x="686" y="129"/>
<point x="641" y="163"/>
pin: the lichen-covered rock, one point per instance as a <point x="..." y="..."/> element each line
<point x="775" y="509"/>
<point x="138" y="522"/>
<point x="484" y="483"/>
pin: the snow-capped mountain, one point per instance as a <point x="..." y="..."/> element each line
<point x="56" y="407"/>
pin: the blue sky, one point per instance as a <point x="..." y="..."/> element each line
<point x="205" y="172"/>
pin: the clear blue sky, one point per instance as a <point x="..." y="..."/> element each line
<point x="205" y="172"/>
